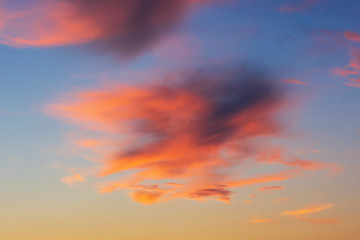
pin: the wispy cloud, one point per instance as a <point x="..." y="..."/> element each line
<point x="75" y="177"/>
<point x="309" y="210"/>
<point x="303" y="213"/>
<point x="352" y="36"/>
<point x="301" y="6"/>
<point x="269" y="188"/>
<point x="294" y="81"/>
<point x="352" y="71"/>
<point x="262" y="220"/>
<point x="276" y="156"/>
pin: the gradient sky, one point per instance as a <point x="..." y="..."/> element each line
<point x="179" y="119"/>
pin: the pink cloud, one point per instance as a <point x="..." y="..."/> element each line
<point x="302" y="6"/>
<point x="352" y="36"/>
<point x="344" y="72"/>
<point x="352" y="69"/>
<point x="294" y="81"/>
<point x="353" y="82"/>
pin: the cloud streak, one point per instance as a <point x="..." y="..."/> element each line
<point x="294" y="81"/>
<point x="309" y="210"/>
<point x="302" y="6"/>
<point x="352" y="36"/>
<point x="303" y="213"/>
<point x="269" y="188"/>
<point x="262" y="220"/>
<point x="352" y="71"/>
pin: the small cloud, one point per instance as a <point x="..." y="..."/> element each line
<point x="269" y="188"/>
<point x="146" y="197"/>
<point x="220" y="194"/>
<point x="76" y="177"/>
<point x="302" y="6"/>
<point x="353" y="69"/>
<point x="344" y="72"/>
<point x="352" y="36"/>
<point x="294" y="81"/>
<point x="353" y="82"/>
<point x="261" y="220"/>
<point x="318" y="151"/>
<point x="309" y="210"/>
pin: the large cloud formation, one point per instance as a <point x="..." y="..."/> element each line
<point x="186" y="137"/>
<point x="121" y="27"/>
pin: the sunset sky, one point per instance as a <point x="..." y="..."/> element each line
<point x="179" y="119"/>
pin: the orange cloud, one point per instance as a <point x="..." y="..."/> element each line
<point x="305" y="4"/>
<point x="74" y="178"/>
<point x="123" y="27"/>
<point x="146" y="197"/>
<point x="269" y="188"/>
<point x="89" y="143"/>
<point x="193" y="190"/>
<point x="183" y="139"/>
<point x="261" y="220"/>
<point x="277" y="177"/>
<point x="352" y="36"/>
<point x="309" y="210"/>
<point x="294" y="81"/>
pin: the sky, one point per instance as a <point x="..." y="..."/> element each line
<point x="179" y="119"/>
